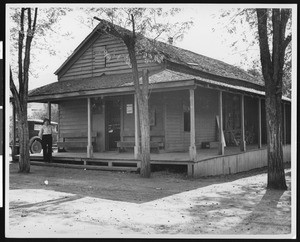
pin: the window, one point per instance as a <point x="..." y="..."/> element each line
<point x="186" y="118"/>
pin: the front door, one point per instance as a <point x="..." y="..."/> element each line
<point x="112" y="110"/>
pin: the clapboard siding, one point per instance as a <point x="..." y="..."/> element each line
<point x="92" y="62"/>
<point x="288" y="123"/>
<point x="73" y="116"/>
<point x="206" y="110"/>
<point x="230" y="164"/>
<point x="156" y="107"/>
<point x="174" y="120"/>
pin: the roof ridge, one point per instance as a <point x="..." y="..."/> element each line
<point x="170" y="53"/>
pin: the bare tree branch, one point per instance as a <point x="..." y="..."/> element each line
<point x="287" y="41"/>
<point x="20" y="47"/>
<point x="133" y="26"/>
<point x="265" y="57"/>
<point x="108" y="28"/>
<point x="276" y="55"/>
<point x="14" y="90"/>
<point x="34" y="21"/>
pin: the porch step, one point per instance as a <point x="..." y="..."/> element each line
<point x="171" y="162"/>
<point x="113" y="162"/>
<point x="89" y="167"/>
<point x="89" y="163"/>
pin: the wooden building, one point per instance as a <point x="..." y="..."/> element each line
<point x="196" y="103"/>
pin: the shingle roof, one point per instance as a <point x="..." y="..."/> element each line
<point x="125" y="80"/>
<point x="82" y="84"/>
<point x="205" y="64"/>
<point x="187" y="58"/>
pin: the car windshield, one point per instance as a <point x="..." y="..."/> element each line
<point x="37" y="127"/>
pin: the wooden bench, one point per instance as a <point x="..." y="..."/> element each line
<point x="75" y="140"/>
<point x="208" y="144"/>
<point x="130" y="144"/>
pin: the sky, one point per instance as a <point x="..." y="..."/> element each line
<point x="200" y="39"/>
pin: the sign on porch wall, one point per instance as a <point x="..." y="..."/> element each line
<point x="152" y="118"/>
<point x="129" y="108"/>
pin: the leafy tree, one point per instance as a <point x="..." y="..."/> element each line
<point x="243" y="23"/>
<point x="45" y="38"/>
<point x="141" y="22"/>
<point x="21" y="95"/>
<point x="272" y="68"/>
<point x="23" y="33"/>
<point x="272" y="28"/>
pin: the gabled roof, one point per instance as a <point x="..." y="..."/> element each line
<point x="185" y="58"/>
<point x="221" y="75"/>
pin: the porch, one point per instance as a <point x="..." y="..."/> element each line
<point x="207" y="162"/>
<point x="183" y="117"/>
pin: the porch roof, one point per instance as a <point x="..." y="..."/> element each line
<point x="122" y="83"/>
<point x="107" y="84"/>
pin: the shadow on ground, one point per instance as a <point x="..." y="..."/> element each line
<point x="119" y="186"/>
<point x="243" y="206"/>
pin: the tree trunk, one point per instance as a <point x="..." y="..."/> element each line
<point x="276" y="175"/>
<point x="143" y="107"/>
<point x="272" y="70"/>
<point x="21" y="96"/>
<point x="145" y="139"/>
<point x="141" y="91"/>
<point x="24" y="158"/>
<point x="145" y="128"/>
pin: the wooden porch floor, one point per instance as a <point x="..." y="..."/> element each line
<point x="125" y="161"/>
<point x="167" y="157"/>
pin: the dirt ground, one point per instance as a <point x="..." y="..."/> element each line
<point x="64" y="202"/>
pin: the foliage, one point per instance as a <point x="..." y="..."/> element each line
<point x="271" y="29"/>
<point x="46" y="36"/>
<point x="23" y="36"/>
<point x="154" y="23"/>
<point x="241" y="33"/>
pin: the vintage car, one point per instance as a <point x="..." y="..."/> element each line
<point x="35" y="145"/>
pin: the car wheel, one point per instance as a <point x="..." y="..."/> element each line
<point x="35" y="145"/>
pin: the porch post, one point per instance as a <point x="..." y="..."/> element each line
<point x="193" y="150"/>
<point x="49" y="111"/>
<point x="89" y="146"/>
<point x="243" y="142"/>
<point x="221" y="138"/>
<point x="104" y="133"/>
<point x="122" y="119"/>
<point x="284" y="124"/>
<point x="259" y="123"/>
<point x="136" y="129"/>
